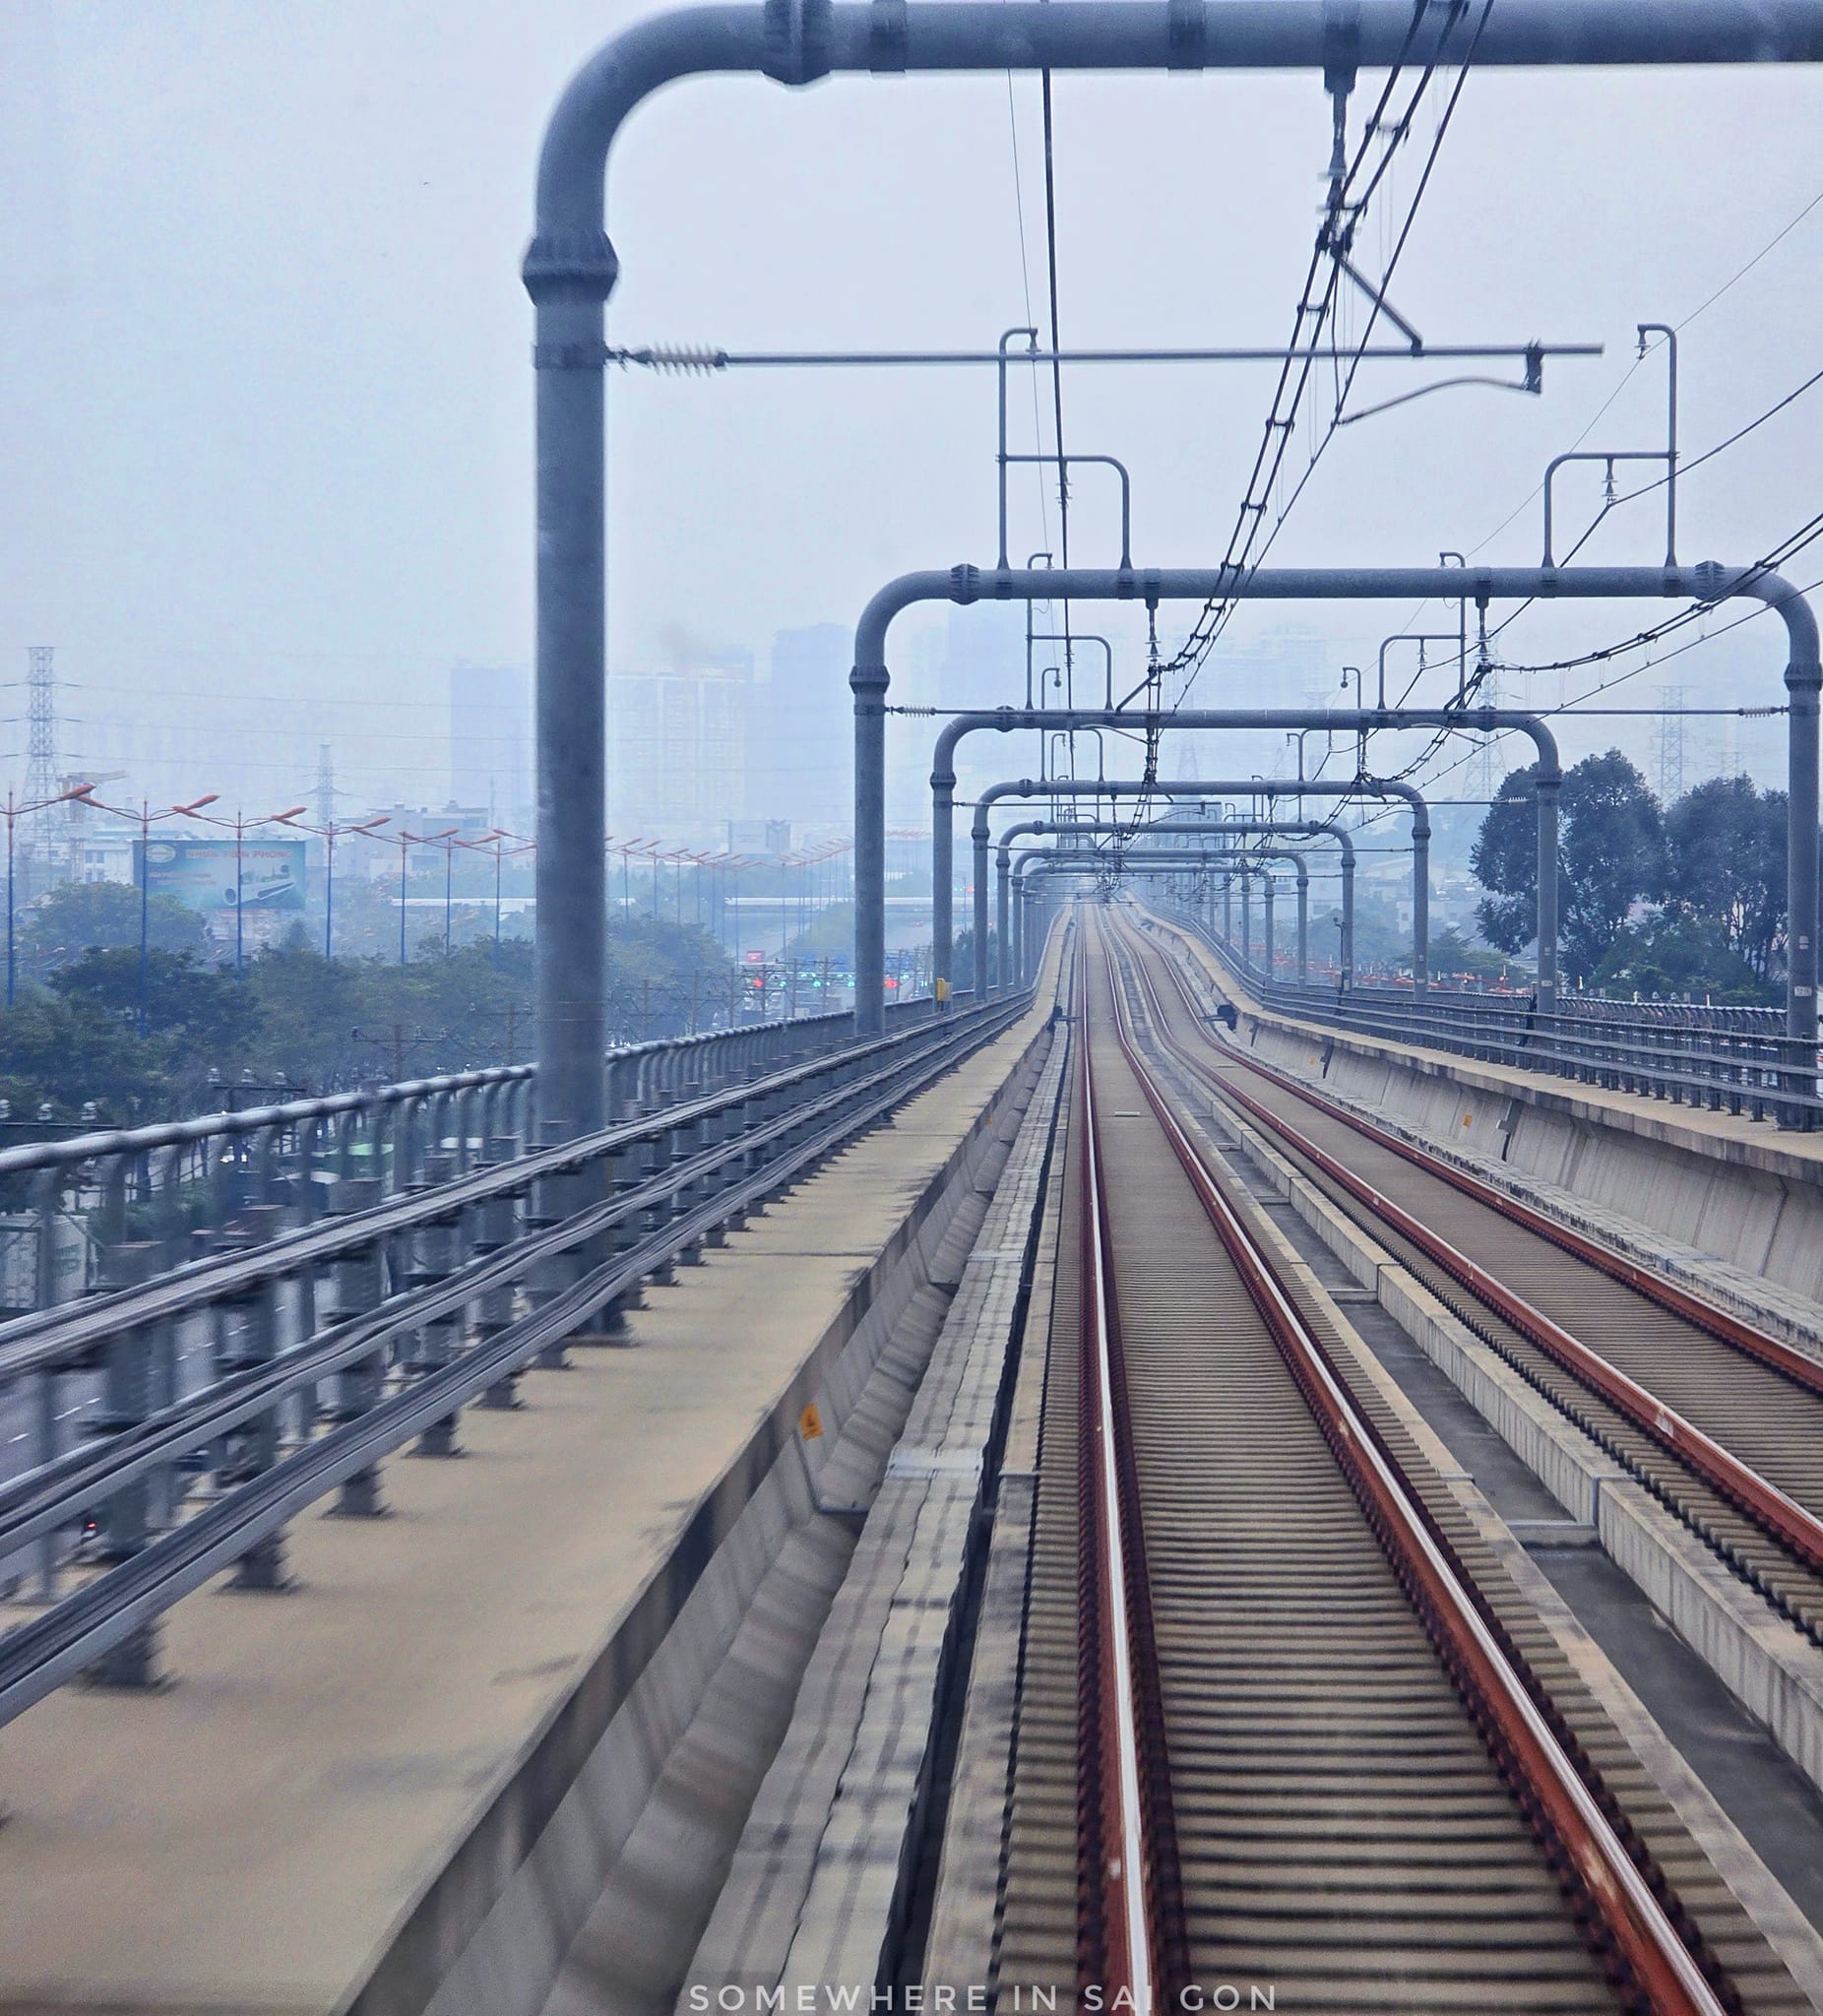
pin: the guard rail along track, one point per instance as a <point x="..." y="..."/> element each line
<point x="278" y="1429"/>
<point x="178" y="1182"/>
<point x="1722" y="1423"/>
<point x="1734" y="1059"/>
<point x="1288" y="1733"/>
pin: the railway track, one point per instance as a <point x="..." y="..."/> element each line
<point x="1288" y="1734"/>
<point x="1721" y="1423"/>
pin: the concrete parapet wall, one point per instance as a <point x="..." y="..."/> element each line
<point x="413" y="1766"/>
<point x="636" y="1792"/>
<point x="1730" y="1207"/>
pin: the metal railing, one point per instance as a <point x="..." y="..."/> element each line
<point x="1727" y="1059"/>
<point x="178" y="1183"/>
<point x="176" y="1423"/>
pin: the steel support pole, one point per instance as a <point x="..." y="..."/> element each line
<point x="870" y="690"/>
<point x="979" y="862"/>
<point x="570" y="284"/>
<point x="942" y="879"/>
<point x="1802" y="677"/>
<point x="1346" y="948"/>
<point x="1005" y="972"/>
<point x="1202" y="787"/>
<point x="1266" y="923"/>
<point x="1547" y="795"/>
<point x="1709" y="582"/>
<point x="570" y="270"/>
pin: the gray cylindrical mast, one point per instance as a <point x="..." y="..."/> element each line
<point x="1180" y="788"/>
<point x="570" y="270"/>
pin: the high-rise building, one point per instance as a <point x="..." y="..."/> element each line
<point x="1283" y="667"/>
<point x="800" y="743"/>
<point x="491" y="742"/>
<point x="677" y="751"/>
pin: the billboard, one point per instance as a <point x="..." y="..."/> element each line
<point x="267" y="888"/>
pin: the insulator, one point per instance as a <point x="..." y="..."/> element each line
<point x="687" y="359"/>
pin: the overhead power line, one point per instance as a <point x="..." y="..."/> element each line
<point x="1351" y="191"/>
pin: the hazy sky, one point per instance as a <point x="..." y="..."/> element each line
<point x="267" y="395"/>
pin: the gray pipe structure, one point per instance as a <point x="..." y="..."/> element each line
<point x="870" y="912"/>
<point x="1011" y="965"/>
<point x="1057" y="828"/>
<point x="1309" y="829"/>
<point x="1706" y="583"/>
<point x="1012" y="917"/>
<point x="570" y="269"/>
<point x="943" y="800"/>
<point x="1085" y="861"/>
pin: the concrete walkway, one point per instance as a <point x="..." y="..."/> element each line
<point x="250" y="1839"/>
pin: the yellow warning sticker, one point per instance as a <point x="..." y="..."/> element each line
<point x="810" y="1424"/>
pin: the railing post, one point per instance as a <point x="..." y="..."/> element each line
<point x="492" y="1232"/>
<point x="553" y="1199"/>
<point x="433" y="1344"/>
<point x="359" y="1287"/>
<point x="252" y="1449"/>
<point x="124" y="1521"/>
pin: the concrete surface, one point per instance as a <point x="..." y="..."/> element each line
<point x="257" y="1837"/>
<point x="1714" y="1187"/>
<point x="821" y="1885"/>
<point x="1772" y="1670"/>
<point x="1631" y="1744"/>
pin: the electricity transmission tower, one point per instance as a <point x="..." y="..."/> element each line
<point x="1485" y="773"/>
<point x="326" y="792"/>
<point x="38" y="848"/>
<point x="1670" y="744"/>
<point x="41" y="717"/>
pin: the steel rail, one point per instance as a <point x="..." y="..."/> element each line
<point x="1718" y="1323"/>
<point x="75" y="1633"/>
<point x="1525" y="1746"/>
<point x="52" y="1495"/>
<point x="1697" y="1058"/>
<point x="1118" y="1897"/>
<point x="73" y="1150"/>
<point x="32" y="1157"/>
<point x="1763" y="1503"/>
<point x="70" y="1332"/>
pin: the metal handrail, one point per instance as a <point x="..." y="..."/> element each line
<point x="1757" y="1072"/>
<point x="192" y="1176"/>
<point x="688" y="1194"/>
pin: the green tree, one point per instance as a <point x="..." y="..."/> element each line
<point x="658" y="973"/>
<point x="187" y="999"/>
<point x="1451" y="954"/>
<point x="1727" y="865"/>
<point x="80" y="917"/>
<point x="68" y="1052"/>
<point x="1679" y="955"/>
<point x="1611" y="855"/>
<point x="1504" y="860"/>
